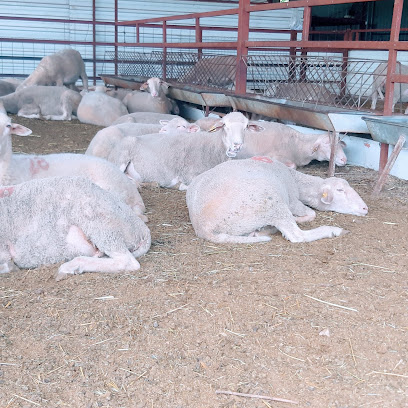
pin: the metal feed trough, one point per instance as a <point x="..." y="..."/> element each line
<point x="389" y="130"/>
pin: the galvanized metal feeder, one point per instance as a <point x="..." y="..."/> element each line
<point x="392" y="131"/>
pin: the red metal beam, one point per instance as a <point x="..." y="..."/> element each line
<point x="227" y="12"/>
<point x="226" y="45"/>
<point x="248" y="8"/>
<point x="331" y="45"/>
<point x="315" y="45"/>
<point x="55" y="20"/>
<point x="302" y="3"/>
<point x="242" y="49"/>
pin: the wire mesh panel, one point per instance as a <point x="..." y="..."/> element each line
<point x="205" y="70"/>
<point x="318" y="79"/>
<point x="327" y="79"/>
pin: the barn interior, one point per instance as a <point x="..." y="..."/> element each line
<point x="319" y="324"/>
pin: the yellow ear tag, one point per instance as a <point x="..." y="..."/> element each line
<point x="212" y="129"/>
<point x="324" y="195"/>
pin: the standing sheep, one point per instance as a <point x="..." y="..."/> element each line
<point x="62" y="68"/>
<point x="17" y="168"/>
<point x="169" y="159"/>
<point x="234" y="200"/>
<point x="68" y="219"/>
<point x="378" y="86"/>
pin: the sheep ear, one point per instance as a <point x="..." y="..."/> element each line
<point x="216" y="126"/>
<point x="20" y="130"/>
<point x="193" y="128"/>
<point x="165" y="84"/>
<point x="255" y="128"/>
<point x="324" y="139"/>
<point x="164" y="122"/>
<point x="326" y="195"/>
<point x="144" y="86"/>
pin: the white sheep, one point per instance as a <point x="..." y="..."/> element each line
<point x="144" y="117"/>
<point x="6" y="87"/>
<point x="169" y="159"/>
<point x="17" y="168"/>
<point x="218" y="71"/>
<point x="206" y="123"/>
<point x="105" y="140"/>
<point x="98" y="108"/>
<point x="235" y="200"/>
<point x="70" y="219"/>
<point x="378" y="86"/>
<point x="301" y="91"/>
<point x="48" y="102"/>
<point x="62" y="68"/>
<point x="290" y="146"/>
<point x="155" y="100"/>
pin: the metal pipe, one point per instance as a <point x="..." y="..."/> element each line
<point x="242" y="49"/>
<point x="116" y="36"/>
<point x="94" y="39"/>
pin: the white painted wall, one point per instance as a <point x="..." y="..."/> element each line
<point x="128" y="10"/>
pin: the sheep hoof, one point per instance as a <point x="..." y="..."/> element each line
<point x="344" y="232"/>
<point x="65" y="269"/>
<point x="61" y="276"/>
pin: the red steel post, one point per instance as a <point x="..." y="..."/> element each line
<point x="94" y="39"/>
<point x="164" y="64"/>
<point x="389" y="84"/>
<point x="242" y="49"/>
<point x="116" y="37"/>
<point x="292" y="58"/>
<point x="198" y="36"/>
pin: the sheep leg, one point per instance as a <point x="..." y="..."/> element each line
<point x="84" y="79"/>
<point x="66" y="109"/>
<point x="30" y="112"/>
<point x="8" y="266"/>
<point x="264" y="231"/>
<point x="301" y="212"/>
<point x="123" y="261"/>
<point x="374" y="98"/>
<point x="237" y="239"/>
<point x="6" y="259"/>
<point x="293" y="233"/>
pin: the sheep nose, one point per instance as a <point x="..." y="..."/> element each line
<point x="237" y="147"/>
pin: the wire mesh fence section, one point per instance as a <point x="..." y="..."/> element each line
<point x="325" y="80"/>
<point x="205" y="70"/>
<point x="213" y="72"/>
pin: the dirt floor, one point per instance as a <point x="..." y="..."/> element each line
<point x="324" y="324"/>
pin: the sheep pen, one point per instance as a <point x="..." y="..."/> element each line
<point x="321" y="323"/>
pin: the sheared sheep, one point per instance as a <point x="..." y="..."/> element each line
<point x="70" y="219"/>
<point x="234" y="200"/>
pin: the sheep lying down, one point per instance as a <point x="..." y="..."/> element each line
<point x="106" y="139"/>
<point x="233" y="201"/>
<point x="71" y="220"/>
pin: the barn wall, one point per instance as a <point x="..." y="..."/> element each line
<point x="128" y="10"/>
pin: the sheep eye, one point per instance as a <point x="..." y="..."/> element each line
<point x="340" y="189"/>
<point x="9" y="126"/>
